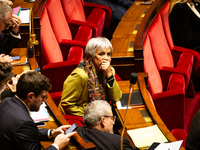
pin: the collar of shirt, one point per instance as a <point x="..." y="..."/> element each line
<point x="191" y="5"/>
<point x="24" y="104"/>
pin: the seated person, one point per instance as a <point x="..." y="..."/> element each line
<point x="184" y="21"/>
<point x="99" y="121"/>
<point x="193" y="139"/>
<point x="6" y="75"/>
<point x="17" y="129"/>
<point x="93" y="79"/>
<point x="6" y="16"/>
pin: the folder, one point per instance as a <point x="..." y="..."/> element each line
<point x="22" y="61"/>
<point x="17" y="10"/>
<point x="144" y="137"/>
<point x="41" y="115"/>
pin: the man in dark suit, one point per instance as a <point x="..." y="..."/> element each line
<point x="6" y="16"/>
<point x="17" y="129"/>
<point x="193" y="139"/>
<point x="99" y="121"/>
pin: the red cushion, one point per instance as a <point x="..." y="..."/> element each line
<point x="50" y="47"/>
<point x="84" y="34"/>
<point x="98" y="18"/>
<point x="165" y="21"/>
<point x="160" y="48"/>
<point x="73" y="10"/>
<point x="56" y="96"/>
<point x="180" y="134"/>
<point x="155" y="83"/>
<point x="58" y="20"/>
<point x="74" y="119"/>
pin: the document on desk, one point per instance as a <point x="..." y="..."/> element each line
<point x="24" y="15"/>
<point x="169" y="146"/>
<point x="41" y="115"/>
<point x="144" y="137"/>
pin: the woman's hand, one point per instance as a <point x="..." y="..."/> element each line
<point x="106" y="68"/>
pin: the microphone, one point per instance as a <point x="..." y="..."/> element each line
<point x="133" y="79"/>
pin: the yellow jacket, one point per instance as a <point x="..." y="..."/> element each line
<point x="75" y="93"/>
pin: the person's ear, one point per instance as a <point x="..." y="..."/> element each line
<point x="102" y="121"/>
<point x="30" y="96"/>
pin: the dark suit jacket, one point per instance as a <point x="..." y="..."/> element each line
<point x="17" y="129"/>
<point x="193" y="138"/>
<point x="118" y="7"/>
<point x="184" y="26"/>
<point x="7" y="43"/>
<point x="103" y="141"/>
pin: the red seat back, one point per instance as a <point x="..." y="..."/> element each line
<point x="164" y="13"/>
<point x="58" y="21"/>
<point x="73" y="10"/>
<point x="155" y="83"/>
<point x="159" y="45"/>
<point x="180" y="134"/>
<point x="49" y="45"/>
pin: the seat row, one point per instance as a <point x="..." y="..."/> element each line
<point x="169" y="70"/>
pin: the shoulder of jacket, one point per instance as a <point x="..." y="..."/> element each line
<point x="81" y="72"/>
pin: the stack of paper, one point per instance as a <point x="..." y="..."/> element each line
<point x="41" y="115"/>
<point x="144" y="137"/>
<point x="24" y="16"/>
<point x="22" y="61"/>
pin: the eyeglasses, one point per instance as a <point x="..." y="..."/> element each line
<point x="7" y="24"/>
<point x="44" y="97"/>
<point x="112" y="117"/>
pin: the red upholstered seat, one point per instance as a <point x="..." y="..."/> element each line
<point x="59" y="61"/>
<point x="180" y="134"/>
<point x="88" y="14"/>
<point x="70" y="118"/>
<point x="176" y="50"/>
<point x="163" y="55"/>
<point x="169" y="99"/>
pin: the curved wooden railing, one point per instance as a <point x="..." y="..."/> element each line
<point x="136" y="120"/>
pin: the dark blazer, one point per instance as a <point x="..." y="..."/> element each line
<point x="103" y="141"/>
<point x="193" y="138"/>
<point x="7" y="43"/>
<point x="118" y="7"/>
<point x="17" y="129"/>
<point x="185" y="27"/>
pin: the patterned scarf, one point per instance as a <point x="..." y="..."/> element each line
<point x="96" y="88"/>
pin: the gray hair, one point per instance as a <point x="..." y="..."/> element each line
<point x="4" y="8"/>
<point x="94" y="111"/>
<point x="97" y="43"/>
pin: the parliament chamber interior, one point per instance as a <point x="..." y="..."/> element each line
<point x="163" y="99"/>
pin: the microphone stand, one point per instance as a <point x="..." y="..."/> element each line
<point x="124" y="125"/>
<point x="133" y="79"/>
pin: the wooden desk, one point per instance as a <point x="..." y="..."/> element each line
<point x="57" y="117"/>
<point x="24" y="28"/>
<point x="123" y="57"/>
<point x="137" y="119"/>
